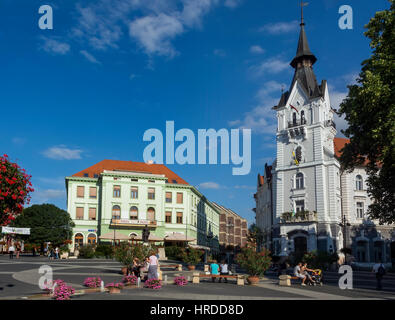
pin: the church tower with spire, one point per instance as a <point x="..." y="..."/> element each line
<point x="306" y="188"/>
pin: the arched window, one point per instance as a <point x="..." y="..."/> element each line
<point x="294" y="119"/>
<point x="358" y="183"/>
<point x="91" y="238"/>
<point x="299" y="181"/>
<point x="134" y="212"/>
<point x="116" y="212"/>
<point x="151" y="214"/>
<point x="78" y="240"/>
<point x="302" y="117"/>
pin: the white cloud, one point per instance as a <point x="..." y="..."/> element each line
<point x="261" y="119"/>
<point x="42" y="196"/>
<point x="133" y="76"/>
<point x="54" y="46"/>
<point x="209" y="185"/>
<point x="232" y="3"/>
<point x="272" y="65"/>
<point x="62" y="153"/>
<point x="245" y="187"/>
<point x="336" y="98"/>
<point x="153" y="24"/>
<point x="257" y="49"/>
<point x="154" y="33"/>
<point x="280" y="27"/>
<point x="89" y="57"/>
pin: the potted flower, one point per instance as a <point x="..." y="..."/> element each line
<point x="255" y="263"/>
<point x="123" y="254"/>
<point x="92" y="282"/>
<point x="153" y="284"/>
<point x="114" y="287"/>
<point x="129" y="280"/>
<point x="180" y="281"/>
<point x="191" y="257"/>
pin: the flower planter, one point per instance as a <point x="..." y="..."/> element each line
<point x="190" y="267"/>
<point x="252" y="280"/>
<point x="114" y="290"/>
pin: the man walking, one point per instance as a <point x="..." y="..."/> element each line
<point x="379" y="270"/>
<point x="11" y="250"/>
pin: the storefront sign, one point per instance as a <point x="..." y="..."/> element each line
<point x="25" y="231"/>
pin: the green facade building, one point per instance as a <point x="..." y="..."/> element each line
<point x="115" y="200"/>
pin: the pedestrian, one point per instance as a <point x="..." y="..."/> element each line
<point x="57" y="253"/>
<point x="11" y="250"/>
<point x="224" y="270"/>
<point x="214" y="269"/>
<point x="298" y="273"/>
<point x="153" y="266"/>
<point x="18" y="250"/>
<point x="379" y="270"/>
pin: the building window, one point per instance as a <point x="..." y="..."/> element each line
<point x="168" y="197"/>
<point x="179" y="217"/>
<point x="151" y="214"/>
<point x="134" y="192"/>
<point x="294" y="119"/>
<point x="358" y="183"/>
<point x="151" y="181"/>
<point x="117" y="192"/>
<point x="92" y="192"/>
<point x="180" y="197"/>
<point x="80" y="213"/>
<point x="299" y="181"/>
<point x="91" y="238"/>
<point x="116" y="212"/>
<point x="360" y="211"/>
<point x="134" y="213"/>
<point x="80" y="191"/>
<point x="151" y="193"/>
<point x="92" y="213"/>
<point x="168" y="217"/>
<point x="299" y="205"/>
<point x="302" y="117"/>
<point x="78" y="240"/>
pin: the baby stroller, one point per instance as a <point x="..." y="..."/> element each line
<point x="316" y="277"/>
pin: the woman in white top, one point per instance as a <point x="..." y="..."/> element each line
<point x="153" y="267"/>
<point x="224" y="270"/>
<point x="11" y="250"/>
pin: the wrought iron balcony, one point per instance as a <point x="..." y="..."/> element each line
<point x="330" y="123"/>
<point x="296" y="123"/>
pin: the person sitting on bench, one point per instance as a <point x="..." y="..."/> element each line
<point x="224" y="270"/>
<point x="305" y="271"/>
<point x="214" y="269"/>
<point x="298" y="273"/>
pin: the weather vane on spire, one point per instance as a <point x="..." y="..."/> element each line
<point x="302" y="4"/>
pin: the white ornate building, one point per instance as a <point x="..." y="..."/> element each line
<point x="304" y="198"/>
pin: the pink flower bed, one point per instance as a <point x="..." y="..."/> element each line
<point x="153" y="284"/>
<point x="129" y="280"/>
<point x="117" y="285"/>
<point x="92" y="282"/>
<point x="180" y="281"/>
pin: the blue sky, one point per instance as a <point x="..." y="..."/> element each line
<point x="109" y="70"/>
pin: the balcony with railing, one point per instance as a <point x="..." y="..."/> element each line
<point x="300" y="216"/>
<point x="296" y="127"/>
<point x="330" y="123"/>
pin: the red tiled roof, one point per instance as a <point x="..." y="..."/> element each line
<point x="339" y="144"/>
<point x="118" y="165"/>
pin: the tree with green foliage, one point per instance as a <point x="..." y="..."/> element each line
<point x="255" y="235"/>
<point x="369" y="110"/>
<point x="47" y="223"/>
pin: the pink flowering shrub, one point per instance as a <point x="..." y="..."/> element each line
<point x="180" y="281"/>
<point x="49" y="286"/>
<point x="62" y="291"/>
<point x="153" y="284"/>
<point x="92" y="282"/>
<point x="129" y="280"/>
<point x="117" y="285"/>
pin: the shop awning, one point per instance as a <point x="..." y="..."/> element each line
<point x="196" y="246"/>
<point x="151" y="237"/>
<point x="110" y="236"/>
<point x="179" y="237"/>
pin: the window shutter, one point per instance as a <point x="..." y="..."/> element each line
<point x="92" y="192"/>
<point x="179" y="197"/>
<point x="80" y="213"/>
<point x="80" y="191"/>
<point x="92" y="213"/>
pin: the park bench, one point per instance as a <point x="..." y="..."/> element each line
<point x="177" y="267"/>
<point x="196" y="277"/>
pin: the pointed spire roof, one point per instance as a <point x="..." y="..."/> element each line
<point x="303" y="51"/>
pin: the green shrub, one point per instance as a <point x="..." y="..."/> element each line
<point x="104" y="250"/>
<point x="87" y="251"/>
<point x="320" y="260"/>
<point x="191" y="256"/>
<point x="255" y="263"/>
<point x="174" y="252"/>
